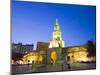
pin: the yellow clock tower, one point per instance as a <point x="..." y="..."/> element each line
<point x="56" y="40"/>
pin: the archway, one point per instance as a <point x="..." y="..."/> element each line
<point x="53" y="57"/>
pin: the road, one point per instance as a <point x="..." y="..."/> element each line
<point x="49" y="68"/>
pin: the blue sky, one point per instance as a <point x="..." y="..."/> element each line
<point x="33" y="22"/>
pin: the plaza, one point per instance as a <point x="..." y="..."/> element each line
<point x="54" y="57"/>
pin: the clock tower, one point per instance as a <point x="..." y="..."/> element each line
<point x="54" y="54"/>
<point x="56" y="40"/>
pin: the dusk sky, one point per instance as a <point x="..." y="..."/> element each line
<point x="34" y="21"/>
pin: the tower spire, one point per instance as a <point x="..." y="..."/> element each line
<point x="57" y="22"/>
<point x="57" y="27"/>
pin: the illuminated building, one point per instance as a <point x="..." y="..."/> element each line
<point x="32" y="57"/>
<point x="53" y="52"/>
<point x="76" y="53"/>
<point x="56" y="40"/>
<point x="42" y="48"/>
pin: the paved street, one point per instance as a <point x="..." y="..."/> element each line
<point x="49" y="68"/>
<point x="78" y="66"/>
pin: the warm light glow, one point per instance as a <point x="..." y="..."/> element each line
<point x="40" y="59"/>
<point x="57" y="37"/>
<point x="54" y="57"/>
<point x="20" y="62"/>
<point x="78" y="54"/>
<point x="32" y="57"/>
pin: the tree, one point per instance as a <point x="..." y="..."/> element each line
<point x="91" y="46"/>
